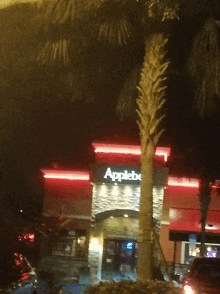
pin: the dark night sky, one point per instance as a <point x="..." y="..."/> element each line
<point x="42" y="125"/>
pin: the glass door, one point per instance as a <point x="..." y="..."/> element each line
<point x="119" y="257"/>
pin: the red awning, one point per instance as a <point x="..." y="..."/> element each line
<point x="188" y="220"/>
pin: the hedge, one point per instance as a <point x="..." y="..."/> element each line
<point x="131" y="287"/>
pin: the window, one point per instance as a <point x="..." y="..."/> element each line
<point x="70" y="244"/>
<point x="189" y="253"/>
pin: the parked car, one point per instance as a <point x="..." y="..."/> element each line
<point x="203" y="277"/>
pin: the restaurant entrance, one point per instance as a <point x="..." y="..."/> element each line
<point x="119" y="259"/>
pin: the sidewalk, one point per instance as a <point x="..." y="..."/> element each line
<point x="72" y="288"/>
<point x="68" y="286"/>
<point x="42" y="287"/>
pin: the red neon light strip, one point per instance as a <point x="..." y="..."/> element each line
<point x="183" y="182"/>
<point x="128" y="149"/>
<point x="66" y="175"/>
<point x="160" y="151"/>
<point x="120" y="149"/>
<point x="73" y="175"/>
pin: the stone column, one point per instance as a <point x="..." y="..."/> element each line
<point x="95" y="258"/>
<point x="158" y="194"/>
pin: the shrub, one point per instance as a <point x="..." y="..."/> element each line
<point x="131" y="287"/>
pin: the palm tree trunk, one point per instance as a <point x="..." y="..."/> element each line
<point x="204" y="199"/>
<point x="202" y="247"/>
<point x="150" y="103"/>
<point x="146" y="216"/>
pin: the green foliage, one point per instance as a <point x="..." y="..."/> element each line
<point x="131" y="287"/>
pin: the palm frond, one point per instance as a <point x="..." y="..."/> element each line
<point x="109" y="20"/>
<point x="113" y="19"/>
<point x="54" y="52"/>
<point x="163" y="9"/>
<point x="204" y="68"/>
<point x="116" y="31"/>
<point x="63" y="11"/>
<point x="126" y="103"/>
<point x="96" y="4"/>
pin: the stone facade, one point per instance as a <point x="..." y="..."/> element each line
<point x="110" y="197"/>
<point x="122" y="196"/>
<point x="65" y="266"/>
<point x="120" y="227"/>
<point x="95" y="258"/>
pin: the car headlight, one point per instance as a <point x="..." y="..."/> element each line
<point x="188" y="290"/>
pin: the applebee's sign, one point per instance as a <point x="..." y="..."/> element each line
<point x="126" y="174"/>
<point x="120" y="176"/>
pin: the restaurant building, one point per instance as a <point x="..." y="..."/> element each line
<point x="96" y="211"/>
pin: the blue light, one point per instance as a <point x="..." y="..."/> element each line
<point x="129" y="245"/>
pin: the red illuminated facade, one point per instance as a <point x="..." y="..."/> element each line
<point x="71" y="198"/>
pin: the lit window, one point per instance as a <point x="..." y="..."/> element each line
<point x="69" y="245"/>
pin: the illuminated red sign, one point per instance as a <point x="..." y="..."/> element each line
<point x="84" y="176"/>
<point x="67" y="175"/>
<point x="183" y="182"/>
<point x="128" y="149"/>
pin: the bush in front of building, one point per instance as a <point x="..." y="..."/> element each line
<point x="131" y="287"/>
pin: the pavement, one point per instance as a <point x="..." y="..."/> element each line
<point x="41" y="287"/>
<point x="69" y="289"/>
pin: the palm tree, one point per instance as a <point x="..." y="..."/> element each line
<point x="118" y="23"/>
<point x="150" y="102"/>
<point x="204" y="68"/>
<point x="204" y="200"/>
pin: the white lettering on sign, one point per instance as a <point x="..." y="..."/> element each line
<point x="119" y="176"/>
